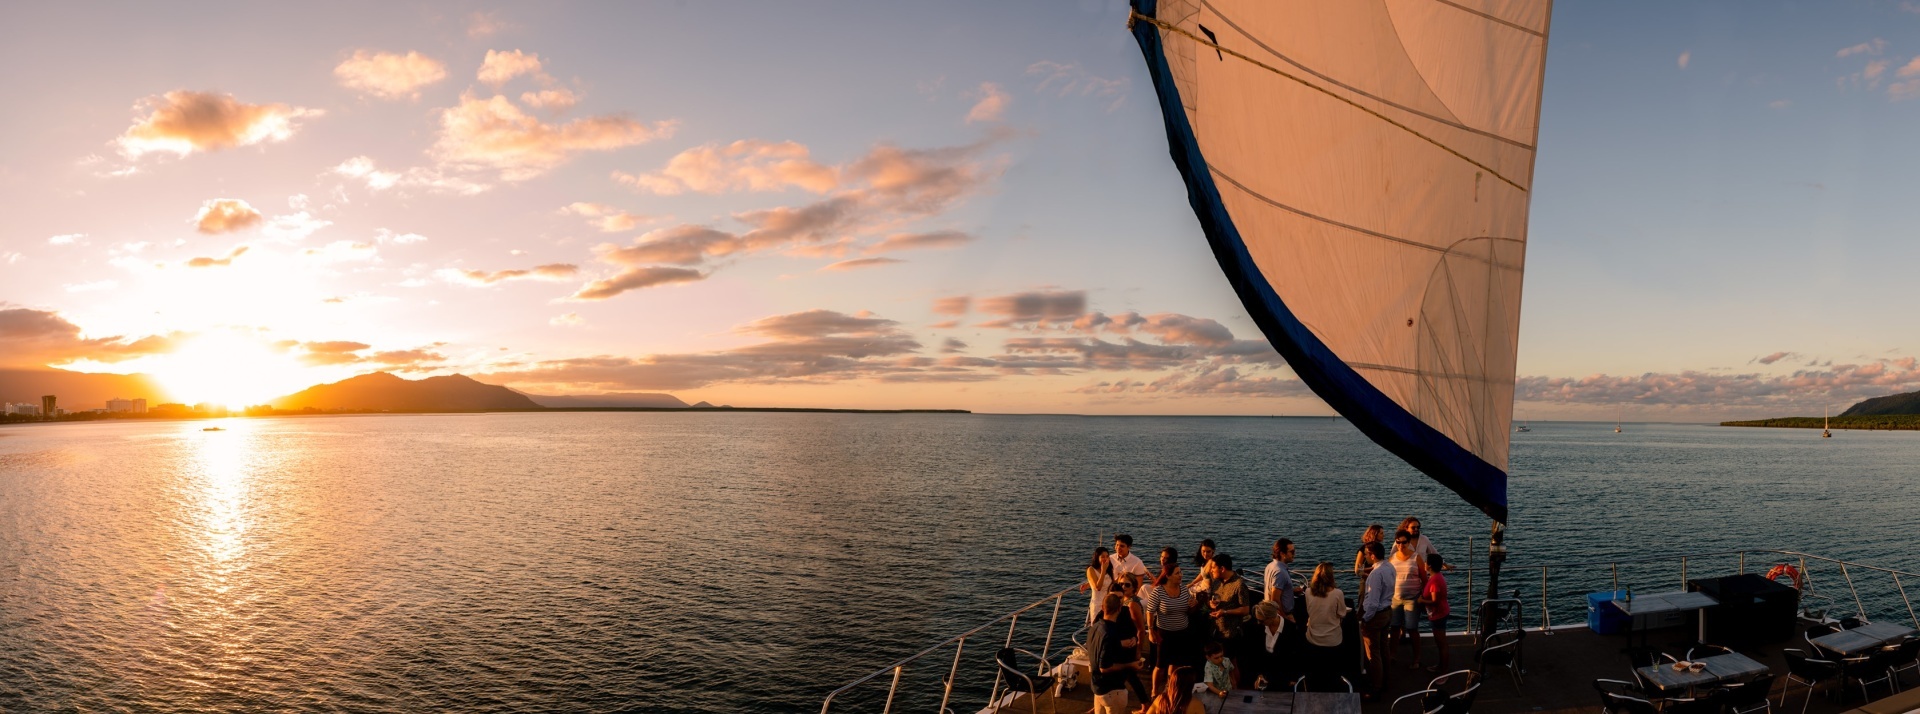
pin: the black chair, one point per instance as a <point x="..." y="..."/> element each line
<point x="1618" y="697"/>
<point x="1808" y="672"/>
<point x="1008" y="659"/>
<point x="1450" y="693"/>
<point x="1502" y="649"/>
<point x="1702" y="649"/>
<point x="1323" y="683"/>
<point x="1875" y="667"/>
<point x="1908" y="657"/>
<point x="1751" y="696"/>
<point x="1461" y="702"/>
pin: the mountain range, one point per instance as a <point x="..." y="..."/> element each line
<point x="1908" y="403"/>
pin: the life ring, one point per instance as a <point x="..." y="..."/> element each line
<point x="1791" y="572"/>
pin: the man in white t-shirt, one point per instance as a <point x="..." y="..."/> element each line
<point x="1124" y="561"/>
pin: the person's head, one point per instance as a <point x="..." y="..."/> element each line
<point x="1375" y="553"/>
<point x="1222" y="565"/>
<point x="1434" y="562"/>
<point x="1180" y="687"/>
<point x="1122" y="545"/>
<point x="1283" y="550"/>
<point x="1402" y="543"/>
<point x="1205" y="552"/>
<point x="1169" y="566"/>
<point x="1267" y="612"/>
<point x="1411" y="525"/>
<point x="1374" y="534"/>
<point x="1110" y="608"/>
<point x="1214" y="652"/>
<point x="1099" y="561"/>
<point x="1130" y="585"/>
<point x="1322" y="582"/>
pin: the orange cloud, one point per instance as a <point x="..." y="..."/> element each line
<point x="204" y="262"/>
<point x="225" y="215"/>
<point x="495" y="135"/>
<point x="993" y="103"/>
<point x="498" y="67"/>
<point x="182" y="122"/>
<point x="37" y="338"/>
<point x="916" y="241"/>
<point x="607" y="218"/>
<point x="861" y="263"/>
<point x="389" y="75"/>
<point x="636" y="279"/>
<point x="745" y="165"/>
<point x="553" y="100"/>
<point x="549" y="272"/>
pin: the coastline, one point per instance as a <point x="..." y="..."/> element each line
<point x="1863" y="422"/>
<point x="379" y="412"/>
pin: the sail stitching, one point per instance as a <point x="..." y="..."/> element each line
<point x="1357" y="229"/>
<point x="1455" y="123"/>
<point x="1508" y="23"/>
<point x="1135" y="15"/>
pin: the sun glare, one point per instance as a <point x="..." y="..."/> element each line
<point x="228" y="370"/>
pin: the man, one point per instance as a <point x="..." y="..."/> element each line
<point x="1279" y="580"/>
<point x="1376" y="613"/>
<point x="1231" y="602"/>
<point x="1410" y="577"/>
<point x="1124" y="561"/>
<point x="1113" y="661"/>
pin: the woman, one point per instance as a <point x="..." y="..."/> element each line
<point x="1201" y="556"/>
<point x="1169" y="608"/>
<point x="1268" y="661"/>
<point x="1361" y="566"/>
<point x="1177" y="698"/>
<point x="1421" y="546"/>
<point x="1133" y="619"/>
<point x="1099" y="580"/>
<point x="1326" y="609"/>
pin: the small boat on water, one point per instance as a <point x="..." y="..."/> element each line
<point x="1825" y="422"/>
<point x="213" y="428"/>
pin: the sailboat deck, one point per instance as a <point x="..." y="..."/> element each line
<point x="1560" y="667"/>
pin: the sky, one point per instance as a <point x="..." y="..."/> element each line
<point x="893" y="205"/>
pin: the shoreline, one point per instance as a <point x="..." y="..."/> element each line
<point x="1859" y="422"/>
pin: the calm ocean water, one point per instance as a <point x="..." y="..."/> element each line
<point x="752" y="562"/>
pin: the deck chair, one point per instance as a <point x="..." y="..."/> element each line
<point x="1751" y="696"/>
<point x="1620" y="697"/>
<point x="1503" y="649"/>
<point x="1008" y="659"/>
<point x="1322" y="683"/>
<point x="1806" y="671"/>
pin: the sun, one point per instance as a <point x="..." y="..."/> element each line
<point x="229" y="370"/>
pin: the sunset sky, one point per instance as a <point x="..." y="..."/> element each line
<point x="963" y="205"/>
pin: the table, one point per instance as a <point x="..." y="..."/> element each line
<point x="1237" y="702"/>
<point x="1848" y="643"/>
<point x="1662" y="603"/>
<point x="1720" y="668"/>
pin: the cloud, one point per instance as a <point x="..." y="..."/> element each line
<point x="499" y="67"/>
<point x="1871" y="47"/>
<point x="322" y="354"/>
<point x="571" y="319"/>
<point x="65" y="239"/>
<point x="918" y="241"/>
<point x="342" y="352"/>
<point x="495" y="135"/>
<point x="482" y="25"/>
<point x="1070" y="80"/>
<point x="1911" y="68"/>
<point x="552" y="272"/>
<point x="606" y="218"/>
<point x="343" y="251"/>
<point x="1909" y="86"/>
<point x="363" y="168"/>
<point x="555" y="100"/>
<point x="951" y="345"/>
<point x="389" y="75"/>
<point x="225" y="215"/>
<point x="1034" y="308"/>
<point x="182" y="122"/>
<point x="956" y="305"/>
<point x="1780" y="104"/>
<point x="636" y="279"/>
<point x="38" y="338"/>
<point x="387" y="236"/>
<point x="744" y="165"/>
<point x="11" y="257"/>
<point x="993" y="103"/>
<point x="293" y="227"/>
<point x="1775" y="357"/>
<point x="221" y="262"/>
<point x="861" y="263"/>
<point x="1685" y="58"/>
<point x="1692" y="388"/>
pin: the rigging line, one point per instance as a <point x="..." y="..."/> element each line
<point x="1421" y="373"/>
<point x="1490" y="17"/>
<point x="1448" y="251"/>
<point x="1455" y="123"/>
<point x="1135" y="15"/>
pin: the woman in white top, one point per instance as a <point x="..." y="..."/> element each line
<point x="1326" y="610"/>
<point x="1099" y="580"/>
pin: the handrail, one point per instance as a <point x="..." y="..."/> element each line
<point x="1472" y="567"/>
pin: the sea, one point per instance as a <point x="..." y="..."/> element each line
<point x="754" y="562"/>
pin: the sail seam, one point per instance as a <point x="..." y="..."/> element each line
<point x="1323" y="90"/>
<point x="1455" y="123"/>
<point x="1357" y="229"/>
<point x="1419" y="373"/>
<point x="1508" y="23"/>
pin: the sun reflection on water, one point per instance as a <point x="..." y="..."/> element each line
<point x="222" y="461"/>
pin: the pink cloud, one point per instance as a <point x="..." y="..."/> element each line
<point x="182" y="122"/>
<point x="495" y="135"/>
<point x="745" y="165"/>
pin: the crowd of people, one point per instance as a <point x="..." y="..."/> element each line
<point x="1162" y="641"/>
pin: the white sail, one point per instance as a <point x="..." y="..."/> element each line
<point x="1367" y="165"/>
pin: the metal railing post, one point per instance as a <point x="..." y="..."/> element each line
<point x="994" y="696"/>
<point x="1546" y="619"/>
<point x="1743" y="562"/>
<point x="891" y="690"/>
<point x="951" y="673"/>
<point x="1903" y="598"/>
<point x="1859" y="610"/>
<point x="1048" y="645"/>
<point x="1616" y="577"/>
<point x="1683" y="573"/>
<point x="1472" y="609"/>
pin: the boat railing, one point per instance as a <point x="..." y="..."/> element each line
<point x="1870" y="597"/>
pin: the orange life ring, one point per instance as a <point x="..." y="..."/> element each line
<point x="1789" y="571"/>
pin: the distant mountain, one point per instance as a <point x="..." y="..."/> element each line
<point x="610" y="400"/>
<point x="77" y="390"/>
<point x="381" y="391"/>
<point x="1908" y="403"/>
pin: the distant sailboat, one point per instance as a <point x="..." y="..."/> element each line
<point x="1825" y="421"/>
<point x="1522" y="428"/>
<point x="1617" y="418"/>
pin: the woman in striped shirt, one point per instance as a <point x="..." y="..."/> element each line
<point x="1168" y="604"/>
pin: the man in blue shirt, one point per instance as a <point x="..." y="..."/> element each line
<point x="1279" y="580"/>
<point x="1376" y="607"/>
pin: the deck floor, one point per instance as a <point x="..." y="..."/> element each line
<point x="1559" y="669"/>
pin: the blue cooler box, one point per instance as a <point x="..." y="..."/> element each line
<point x="1602" y="617"/>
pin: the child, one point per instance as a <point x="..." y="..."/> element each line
<point x="1220" y="672"/>
<point x="1433" y="595"/>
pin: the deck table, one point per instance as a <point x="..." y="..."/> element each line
<point x="1720" y="668"/>
<point x="1848" y="643"/>
<point x="1651" y="604"/>
<point x="1247" y="701"/>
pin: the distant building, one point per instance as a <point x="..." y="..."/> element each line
<point x="127" y="406"/>
<point x="47" y="408"/>
<point x="23" y="409"/>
